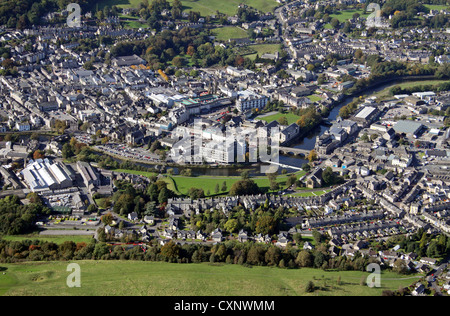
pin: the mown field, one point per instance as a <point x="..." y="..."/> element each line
<point x="229" y="7"/>
<point x="138" y="278"/>
<point x="409" y="84"/>
<point x="229" y="32"/>
<point x="55" y="239"/>
<point x="262" y="49"/>
<point x="343" y="16"/>
<point x="436" y="7"/>
<point x="205" y="7"/>
<point x="291" y="118"/>
<point x="182" y="184"/>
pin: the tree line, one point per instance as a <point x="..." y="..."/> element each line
<point x="17" y="218"/>
<point x="230" y="252"/>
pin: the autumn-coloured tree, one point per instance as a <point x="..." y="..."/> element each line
<point x="312" y="156"/>
<point x="107" y="219"/>
<point x="38" y="154"/>
<point x="190" y="51"/>
<point x="265" y="225"/>
<point x="239" y="61"/>
<point x="170" y="251"/>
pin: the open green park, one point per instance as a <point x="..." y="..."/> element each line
<point x="291" y="118"/>
<point x="228" y="32"/>
<point x="181" y="184"/>
<point x="438" y="7"/>
<point x="409" y="84"/>
<point x="261" y="49"/>
<point x="254" y="50"/>
<point x="142" y="278"/>
<point x="230" y="7"/>
<point x="205" y="7"/>
<point x="51" y="238"/>
<point x="346" y="15"/>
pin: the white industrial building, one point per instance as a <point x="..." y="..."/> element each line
<point x="43" y="174"/>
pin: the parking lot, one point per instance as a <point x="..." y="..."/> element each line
<point x="130" y="153"/>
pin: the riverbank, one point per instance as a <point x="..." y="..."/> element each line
<point x="304" y="141"/>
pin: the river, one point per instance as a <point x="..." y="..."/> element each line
<point x="308" y="142"/>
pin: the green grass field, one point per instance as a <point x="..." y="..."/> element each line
<point x="182" y="184"/>
<point x="123" y="4"/>
<point x="205" y="7"/>
<point x="410" y="84"/>
<point x="264" y="49"/>
<point x="314" y="98"/>
<point x="136" y="25"/>
<point x="229" y="32"/>
<point x="230" y="7"/>
<point x="309" y="194"/>
<point x="55" y="239"/>
<point x="292" y="118"/>
<point x="139" y="278"/>
<point x="436" y="7"/>
<point x="343" y="16"/>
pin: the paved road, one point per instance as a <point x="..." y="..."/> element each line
<point x="434" y="275"/>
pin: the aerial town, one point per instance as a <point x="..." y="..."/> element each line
<point x="301" y="127"/>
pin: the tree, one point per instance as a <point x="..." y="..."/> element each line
<point x="89" y="65"/>
<point x="244" y="187"/>
<point x="335" y="23"/>
<point x="273" y="256"/>
<point x="190" y="50"/>
<point x="38" y="154"/>
<point x="92" y="208"/>
<point x="34" y="198"/>
<point x="224" y="186"/>
<point x="304" y="259"/>
<point x="67" y="151"/>
<point x="292" y="179"/>
<point x="155" y="145"/>
<point x="306" y="167"/>
<point x="365" y="137"/>
<point x="163" y="195"/>
<point x="310" y="287"/>
<point x="217" y="189"/>
<point x="231" y="225"/>
<point x="297" y="237"/>
<point x="312" y="156"/>
<point x="283" y="121"/>
<point x="317" y="236"/>
<point x="170" y="251"/>
<point x="400" y="267"/>
<point x="195" y="193"/>
<point x="328" y="176"/>
<point x="107" y="219"/>
<point x="178" y="62"/>
<point x="245" y="174"/>
<point x="177" y="9"/>
<point x="310" y="67"/>
<point x="274" y="186"/>
<point x="265" y="224"/>
<point x="60" y="126"/>
<point x="359" y="54"/>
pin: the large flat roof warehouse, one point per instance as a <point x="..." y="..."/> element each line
<point x="408" y="127"/>
<point x="43" y="174"/>
<point x="366" y="112"/>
